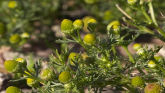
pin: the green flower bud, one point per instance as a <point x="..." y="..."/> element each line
<point x="90" y="1"/>
<point x="72" y="57"/>
<point x="67" y="26"/>
<point x="13" y="89"/>
<point x="47" y="74"/>
<point x="131" y="2"/>
<point x="107" y="15"/>
<point x="12" y="4"/>
<point x="78" y="24"/>
<point x="115" y="26"/>
<point x="12" y="66"/>
<point x="152" y="88"/>
<point x="22" y="62"/>
<point x="89" y="39"/>
<point x="137" y="81"/>
<point x="31" y="82"/>
<point x="64" y="77"/>
<point x="137" y="46"/>
<point x="15" y="39"/>
<point x="2" y="28"/>
<point x="151" y="64"/>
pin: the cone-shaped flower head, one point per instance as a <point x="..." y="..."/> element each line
<point x="64" y="77"/>
<point x="13" y="89"/>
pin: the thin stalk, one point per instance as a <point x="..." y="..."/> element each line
<point x="81" y="42"/>
<point x="123" y="12"/>
<point x="152" y="13"/>
<point x="142" y="28"/>
<point x="78" y="40"/>
<point x="146" y="15"/>
<point x="145" y="29"/>
<point x="129" y="54"/>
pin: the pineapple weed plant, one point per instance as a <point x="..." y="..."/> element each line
<point x="100" y="65"/>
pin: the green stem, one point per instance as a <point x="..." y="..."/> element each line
<point x="161" y="31"/>
<point x="33" y="77"/>
<point x="145" y="29"/>
<point x="79" y="40"/>
<point x="123" y="12"/>
<point x="146" y="15"/>
<point x="154" y="19"/>
<point x="114" y="50"/>
<point x="129" y="54"/>
<point x="142" y="28"/>
<point x="152" y="13"/>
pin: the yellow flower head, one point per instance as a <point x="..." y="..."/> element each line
<point x="31" y="82"/>
<point x="115" y="26"/>
<point x="107" y="15"/>
<point x="90" y="1"/>
<point x="131" y="2"/>
<point x="12" y="4"/>
<point x="72" y="57"/>
<point x="89" y="39"/>
<point x="137" y="81"/>
<point x="13" y="89"/>
<point x="137" y="46"/>
<point x="67" y="26"/>
<point x="92" y="20"/>
<point x="15" y="38"/>
<point x="25" y="35"/>
<point x="64" y="77"/>
<point x="11" y="66"/>
<point x="151" y="64"/>
<point x="78" y="24"/>
<point x="22" y="61"/>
